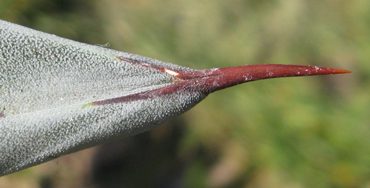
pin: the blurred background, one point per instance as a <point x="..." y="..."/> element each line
<point x="289" y="132"/>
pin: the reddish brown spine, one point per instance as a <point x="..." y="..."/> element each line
<point x="211" y="80"/>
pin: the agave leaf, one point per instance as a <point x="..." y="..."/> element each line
<point x="59" y="96"/>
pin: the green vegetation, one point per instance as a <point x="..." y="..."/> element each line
<point x="293" y="132"/>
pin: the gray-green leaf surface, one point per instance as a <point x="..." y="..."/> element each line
<point x="47" y="84"/>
